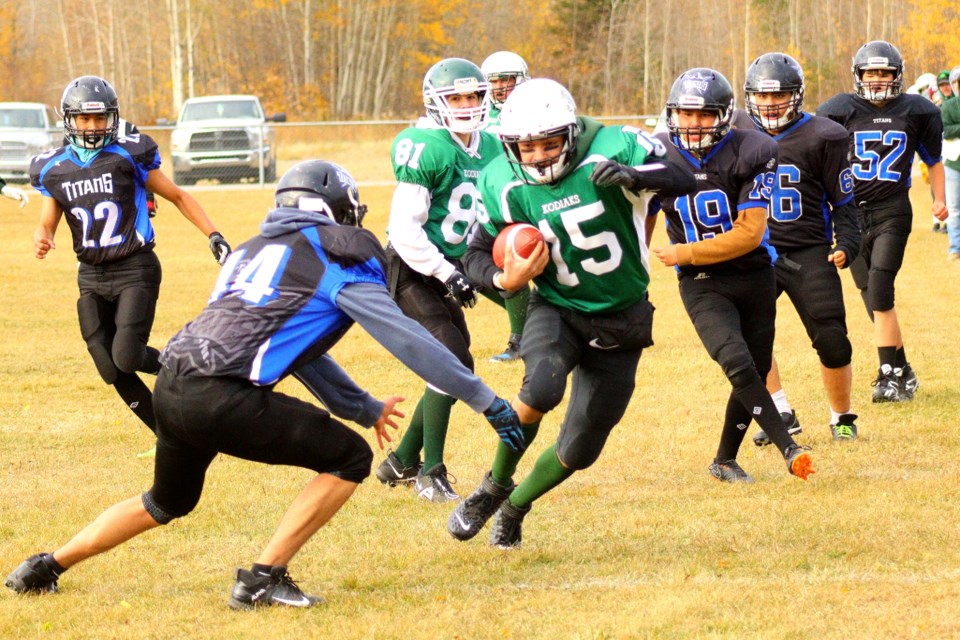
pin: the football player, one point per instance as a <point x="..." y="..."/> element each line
<point x="436" y="164"/>
<point x="504" y="70"/>
<point x="811" y="208"/>
<point x="950" y="112"/>
<point x="215" y="392"/>
<point x="886" y="128"/>
<point x="100" y="181"/>
<point x="14" y="193"/>
<point x="586" y="187"/>
<point x="720" y="248"/>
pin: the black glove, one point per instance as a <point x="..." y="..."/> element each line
<point x="461" y="290"/>
<point x="609" y="173"/>
<point x="506" y="423"/>
<point x="219" y="247"/>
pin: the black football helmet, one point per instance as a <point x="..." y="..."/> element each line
<point x="774" y="73"/>
<point x="700" y="89"/>
<point x="90" y="94"/>
<point x="317" y="185"/>
<point x="878" y="54"/>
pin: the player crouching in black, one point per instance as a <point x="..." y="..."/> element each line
<point x="282" y="300"/>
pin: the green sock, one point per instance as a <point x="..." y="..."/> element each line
<point x="494" y="296"/>
<point x="517" y="310"/>
<point x="547" y="473"/>
<point x="506" y="460"/>
<point x="436" y="419"/>
<point x="408" y="451"/>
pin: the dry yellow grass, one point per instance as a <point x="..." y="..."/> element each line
<point x="643" y="545"/>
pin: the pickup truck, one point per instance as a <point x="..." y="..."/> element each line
<point x="223" y="137"/>
<point x="26" y="129"/>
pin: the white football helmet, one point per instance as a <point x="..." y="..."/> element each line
<point x="538" y="109"/>
<point x="502" y="65"/>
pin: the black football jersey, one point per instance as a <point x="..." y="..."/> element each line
<point x="736" y="174"/>
<point x="273" y="307"/>
<point x="104" y="199"/>
<point x="883" y="140"/>
<point x="813" y="177"/>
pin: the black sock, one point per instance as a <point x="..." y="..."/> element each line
<point x="57" y="568"/>
<point x="138" y="397"/>
<point x="759" y="405"/>
<point x="735" y="424"/>
<point x="888" y="355"/>
<point x="901" y="358"/>
<point x="261" y="569"/>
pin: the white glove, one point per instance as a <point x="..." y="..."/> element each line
<point x="15" y="194"/>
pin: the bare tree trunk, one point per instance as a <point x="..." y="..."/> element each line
<point x="65" y="33"/>
<point x="646" y="56"/>
<point x="176" y="55"/>
<point x="307" y="51"/>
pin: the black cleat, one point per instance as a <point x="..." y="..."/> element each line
<point x="276" y="589"/>
<point x="799" y="462"/>
<point x="392" y="472"/>
<point x="34" y="575"/>
<point x="470" y="515"/>
<point x="886" y="388"/>
<point x="505" y="532"/>
<point x="907" y="378"/>
<point x="729" y="471"/>
<point x="511" y="353"/>
<point x="845" y="430"/>
<point x="761" y="439"/>
<point x="434" y="485"/>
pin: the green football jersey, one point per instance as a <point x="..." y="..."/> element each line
<point x="596" y="235"/>
<point x="432" y="159"/>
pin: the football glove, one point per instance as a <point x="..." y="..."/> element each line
<point x="16" y="194"/>
<point x="461" y="290"/>
<point x="219" y="247"/>
<point x="609" y="173"/>
<point x="506" y="423"/>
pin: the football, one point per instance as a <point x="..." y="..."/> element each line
<point x="521" y="236"/>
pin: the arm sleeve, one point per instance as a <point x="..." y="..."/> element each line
<point x="846" y="225"/>
<point x="408" y="213"/>
<point x="372" y="308"/>
<point x="331" y="385"/>
<point x="744" y="237"/>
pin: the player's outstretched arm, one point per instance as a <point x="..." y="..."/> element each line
<point x="161" y="185"/>
<point x="337" y="391"/>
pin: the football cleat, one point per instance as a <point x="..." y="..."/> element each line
<point x="276" y="589"/>
<point x="886" y="388"/>
<point x="505" y="533"/>
<point x="470" y="515"/>
<point x="434" y="485"/>
<point x="392" y="472"/>
<point x="34" y="575"/>
<point x="799" y="462"/>
<point x="729" y="471"/>
<point x="761" y="439"/>
<point x="908" y="381"/>
<point x="846" y="427"/>
<point x="511" y="353"/>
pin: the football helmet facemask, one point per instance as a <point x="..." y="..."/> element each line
<point x="324" y="187"/>
<point x="90" y="95"/>
<point x="503" y="65"/>
<point x="456" y="76"/>
<point x="878" y="54"/>
<point x="700" y="89"/>
<point x="536" y="110"/>
<point x="774" y="73"/>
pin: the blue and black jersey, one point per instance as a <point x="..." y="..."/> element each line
<point x="103" y="199"/>
<point x="274" y="307"/>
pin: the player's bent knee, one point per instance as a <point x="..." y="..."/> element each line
<point x="357" y="467"/>
<point x="546" y="385"/>
<point x="743" y="377"/>
<point x="128" y="351"/>
<point x="582" y="451"/>
<point x="164" y="515"/>
<point x="834" y="349"/>
<point x="880" y="293"/>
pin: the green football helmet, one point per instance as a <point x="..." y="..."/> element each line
<point x="455" y="76"/>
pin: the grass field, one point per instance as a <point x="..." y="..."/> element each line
<point x="645" y="544"/>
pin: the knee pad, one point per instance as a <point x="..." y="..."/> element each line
<point x="833" y="347"/>
<point x="880" y="291"/>
<point x="743" y="377"/>
<point x="98" y="335"/>
<point x="544" y="387"/>
<point x="134" y="320"/>
<point x="128" y="352"/>
<point x="357" y="467"/>
<point x="581" y="451"/>
<point x="166" y="515"/>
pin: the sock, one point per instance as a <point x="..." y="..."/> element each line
<point x="408" y="451"/>
<point x="58" y="569"/>
<point x="735" y="423"/>
<point x="436" y="419"/>
<point x="900" y="359"/>
<point x="888" y="356"/>
<point x="506" y="460"/>
<point x="137" y="396"/>
<point x="261" y="569"/>
<point x="780" y="399"/>
<point x="759" y="405"/>
<point x="547" y="473"/>
<point x="517" y="310"/>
